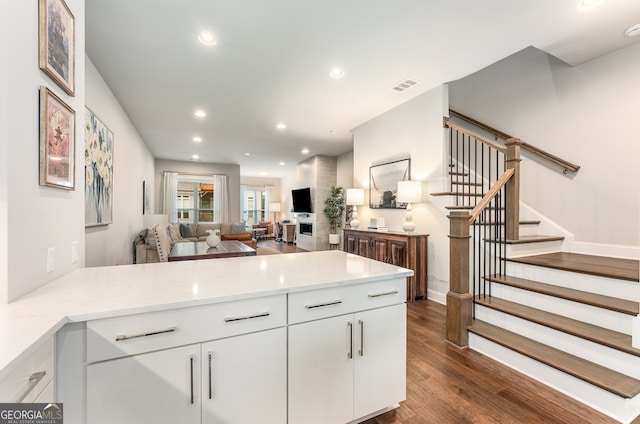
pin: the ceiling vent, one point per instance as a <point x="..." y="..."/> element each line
<point x="404" y="85"/>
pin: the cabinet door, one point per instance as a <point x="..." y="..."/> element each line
<point x="380" y="359"/>
<point x="321" y="371"/>
<point x="350" y="243"/>
<point x="244" y="379"/>
<point x="158" y="387"/>
<point x="363" y="244"/>
<point x="379" y="250"/>
<point x="398" y="253"/>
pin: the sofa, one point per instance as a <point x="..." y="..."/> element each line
<point x="146" y="250"/>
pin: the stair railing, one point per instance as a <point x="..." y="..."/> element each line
<point x="495" y="219"/>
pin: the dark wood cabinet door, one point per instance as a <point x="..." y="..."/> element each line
<point x="398" y="253"/>
<point x="379" y="250"/>
<point x="363" y="246"/>
<point x="350" y="243"/>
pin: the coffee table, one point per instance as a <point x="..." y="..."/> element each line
<point x="191" y="250"/>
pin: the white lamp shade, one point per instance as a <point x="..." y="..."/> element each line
<point x="275" y="207"/>
<point x="409" y="191"/>
<point x="355" y="196"/>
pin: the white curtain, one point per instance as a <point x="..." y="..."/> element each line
<point x="221" y="198"/>
<point x="170" y="195"/>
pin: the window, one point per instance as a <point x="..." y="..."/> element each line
<point x="255" y="205"/>
<point x="195" y="201"/>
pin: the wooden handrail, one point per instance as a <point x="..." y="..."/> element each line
<point x="568" y="166"/>
<point x="484" y="202"/>
<point x="449" y="124"/>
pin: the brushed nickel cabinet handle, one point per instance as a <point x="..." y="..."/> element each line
<point x="361" y="324"/>
<point x="350" y="352"/>
<point x="121" y="338"/>
<point x="191" y="378"/>
<point x="389" y="293"/>
<point x="210" y="373"/>
<point x="34" y="379"/>
<point x="233" y="319"/>
<point x="322" y="305"/>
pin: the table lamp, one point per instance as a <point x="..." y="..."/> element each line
<point x="409" y="191"/>
<point x="355" y="197"/>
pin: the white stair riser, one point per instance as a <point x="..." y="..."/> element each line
<point x="627" y="290"/>
<point x="593" y="352"/>
<point x="622" y="410"/>
<point x="538" y="248"/>
<point x="616" y="321"/>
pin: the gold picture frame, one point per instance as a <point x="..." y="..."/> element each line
<point x="57" y="142"/>
<point x="58" y="43"/>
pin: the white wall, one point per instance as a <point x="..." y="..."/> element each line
<point x="587" y="115"/>
<point x="232" y="172"/>
<point x="345" y="171"/>
<point x="34" y="218"/>
<point x="412" y="129"/>
<point x="133" y="163"/>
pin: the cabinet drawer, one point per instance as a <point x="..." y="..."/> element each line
<point x="323" y="303"/>
<point x="133" y="334"/>
<point x="26" y="382"/>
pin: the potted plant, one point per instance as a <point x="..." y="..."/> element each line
<point x="334" y="206"/>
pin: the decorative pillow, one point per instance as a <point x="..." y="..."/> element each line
<point x="238" y="236"/>
<point x="186" y="231"/>
<point x="238" y="228"/>
<point x="151" y="238"/>
<point x="174" y="232"/>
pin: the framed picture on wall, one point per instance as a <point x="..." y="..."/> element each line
<point x="57" y="142"/>
<point x="58" y="43"/>
<point x="146" y="192"/>
<point x="98" y="180"/>
<point x="383" y="183"/>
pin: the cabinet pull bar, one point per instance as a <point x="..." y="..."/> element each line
<point x="361" y="324"/>
<point x="191" y="377"/>
<point x="350" y="352"/>
<point x="322" y="305"/>
<point x="34" y="379"/>
<point x="264" y="314"/>
<point x="210" y="384"/>
<point x="389" y="293"/>
<point x="121" y="338"/>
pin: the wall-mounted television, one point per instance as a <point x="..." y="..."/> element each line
<point x="301" y="200"/>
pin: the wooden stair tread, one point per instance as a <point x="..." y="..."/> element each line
<point x="459" y="207"/>
<point x="501" y="223"/>
<point x="607" y="379"/>
<point x="531" y="239"/>
<point x="467" y="183"/>
<point x="600" y="335"/>
<point x="459" y="174"/>
<point x="593" y="299"/>
<point x="623" y="269"/>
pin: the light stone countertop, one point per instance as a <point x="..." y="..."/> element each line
<point x="94" y="293"/>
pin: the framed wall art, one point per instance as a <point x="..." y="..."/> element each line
<point x="146" y="193"/>
<point x="57" y="142"/>
<point x="98" y="180"/>
<point x="383" y="183"/>
<point x="58" y="43"/>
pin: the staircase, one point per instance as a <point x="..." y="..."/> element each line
<point x="564" y="319"/>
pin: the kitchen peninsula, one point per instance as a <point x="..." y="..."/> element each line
<point x="272" y="338"/>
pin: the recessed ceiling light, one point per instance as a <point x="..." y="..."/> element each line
<point x="200" y="113"/>
<point x="247" y="154"/>
<point x="281" y="126"/>
<point x="195" y="157"/>
<point x="197" y="139"/>
<point x="336" y="73"/>
<point x="305" y="151"/>
<point x="586" y="4"/>
<point x="207" y="38"/>
<point x="281" y="163"/>
<point x="633" y="30"/>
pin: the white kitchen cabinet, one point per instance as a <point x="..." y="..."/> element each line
<point x="158" y="387"/>
<point x="33" y="379"/>
<point x="346" y="367"/>
<point x="244" y="379"/>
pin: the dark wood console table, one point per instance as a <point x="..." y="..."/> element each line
<point x="397" y="248"/>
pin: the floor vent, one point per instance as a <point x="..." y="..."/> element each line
<point x="404" y="85"/>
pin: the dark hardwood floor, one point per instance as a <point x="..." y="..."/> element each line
<point x="279" y="245"/>
<point x="446" y="384"/>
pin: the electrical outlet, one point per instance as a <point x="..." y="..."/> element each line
<point x="51" y="259"/>
<point x="74" y="252"/>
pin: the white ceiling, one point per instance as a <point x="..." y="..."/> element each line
<point x="272" y="61"/>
